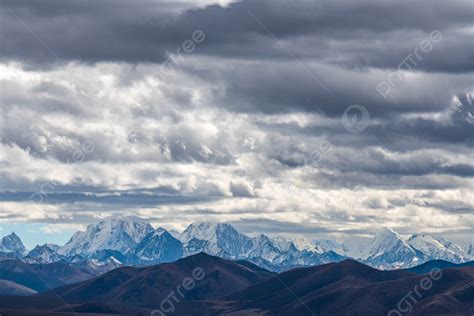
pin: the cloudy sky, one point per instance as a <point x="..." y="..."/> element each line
<point x="317" y="118"/>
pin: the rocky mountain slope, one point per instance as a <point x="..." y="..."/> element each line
<point x="111" y="244"/>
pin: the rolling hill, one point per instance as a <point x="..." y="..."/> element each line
<point x="145" y="287"/>
<point x="224" y="287"/>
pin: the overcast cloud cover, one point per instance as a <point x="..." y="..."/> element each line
<point x="231" y="111"/>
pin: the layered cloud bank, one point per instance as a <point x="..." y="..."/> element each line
<point x="183" y="112"/>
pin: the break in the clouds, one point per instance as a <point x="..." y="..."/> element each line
<point x="233" y="111"/>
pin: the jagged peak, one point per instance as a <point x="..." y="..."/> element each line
<point x="210" y="225"/>
<point x="388" y="234"/>
<point x="204" y="223"/>
<point x="119" y="221"/>
<point x="160" y="231"/>
<point x="43" y="246"/>
<point x="384" y="231"/>
<point x="205" y="230"/>
<point x="223" y="239"/>
<point x="175" y="233"/>
<point x="114" y="234"/>
<point x="262" y="237"/>
<point x="11" y="235"/>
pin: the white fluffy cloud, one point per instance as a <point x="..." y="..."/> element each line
<point x="120" y="136"/>
<point x="245" y="128"/>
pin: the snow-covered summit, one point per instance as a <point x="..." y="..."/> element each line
<point x="314" y="245"/>
<point x="388" y="249"/>
<point x="120" y="235"/>
<point x="221" y="239"/>
<point x="203" y="231"/>
<point x="437" y="247"/>
<point x="46" y="253"/>
<point x="159" y="246"/>
<point x="115" y="242"/>
<point x="12" y="244"/>
<point x="264" y="247"/>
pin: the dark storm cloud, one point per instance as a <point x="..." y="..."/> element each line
<point x="147" y="31"/>
<point x="285" y="87"/>
<point x="129" y="199"/>
<point x="396" y="133"/>
<point x="312" y="56"/>
<point x="269" y="226"/>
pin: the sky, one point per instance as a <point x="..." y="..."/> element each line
<point x="314" y="118"/>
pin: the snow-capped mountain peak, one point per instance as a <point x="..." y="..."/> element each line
<point x="109" y="244"/>
<point x="437" y="247"/>
<point x="174" y="233"/>
<point x="354" y="247"/>
<point x="325" y="245"/>
<point x="202" y="231"/>
<point x="120" y="235"/>
<point x="384" y="239"/>
<point x="160" y="231"/>
<point x="221" y="239"/>
<point x="318" y="246"/>
<point x="389" y="249"/>
<point x="283" y="243"/>
<point x="12" y="244"/>
<point x="300" y="243"/>
<point x="43" y="254"/>
<point x="264" y="247"/>
<point x="159" y="246"/>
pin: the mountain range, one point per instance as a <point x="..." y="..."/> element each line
<point x="109" y="244"/>
<point x="352" y="288"/>
<point x="202" y="284"/>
